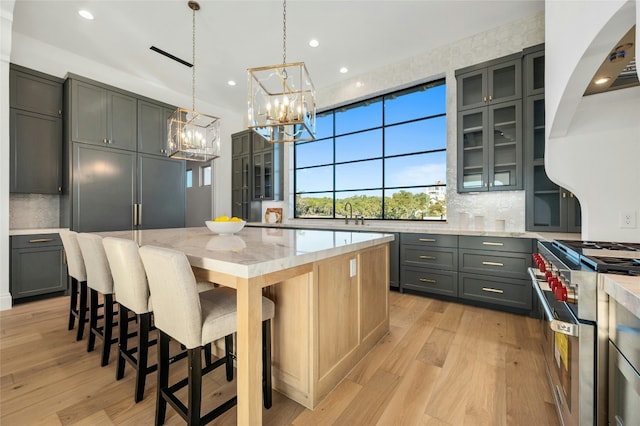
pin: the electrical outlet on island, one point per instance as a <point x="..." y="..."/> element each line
<point x="628" y="219"/>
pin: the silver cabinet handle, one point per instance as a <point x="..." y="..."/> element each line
<point x="427" y="257"/>
<point x="425" y="280"/>
<point x="135" y="214"/>
<point x="490" y="98"/>
<point x="492" y="290"/>
<point x="492" y="263"/>
<point x="41" y="240"/>
<point x="427" y="240"/>
<point x="139" y="214"/>
<point x="489" y="243"/>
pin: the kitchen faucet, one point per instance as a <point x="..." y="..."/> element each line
<point x="346" y="219"/>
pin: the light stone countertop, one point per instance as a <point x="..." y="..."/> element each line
<point x="625" y="290"/>
<point x="253" y="251"/>
<point x="427" y="228"/>
<point x="32" y="231"/>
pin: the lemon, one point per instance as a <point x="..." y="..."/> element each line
<point x="221" y="219"/>
<point x="235" y="219"/>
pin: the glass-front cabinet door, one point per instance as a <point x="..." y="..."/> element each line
<point x="258" y="177"/>
<point x="505" y="146"/>
<point x="472" y="157"/>
<point x="489" y="85"/>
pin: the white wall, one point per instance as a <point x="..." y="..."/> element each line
<point x="436" y="63"/>
<point x="593" y="142"/>
<point x="6" y="22"/>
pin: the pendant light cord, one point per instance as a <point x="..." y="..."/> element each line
<point x="193" y="61"/>
<point x="284" y="32"/>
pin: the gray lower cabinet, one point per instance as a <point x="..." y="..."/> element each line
<point x="394" y="262"/>
<point x="488" y="271"/>
<point x="115" y="189"/>
<point x="429" y="263"/>
<point x="494" y="270"/>
<point x="37" y="265"/>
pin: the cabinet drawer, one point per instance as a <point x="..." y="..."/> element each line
<point x="519" y="245"/>
<point x="429" y="281"/>
<point x="501" y="291"/>
<point x="35" y="240"/>
<point x="502" y="264"/>
<point x="430" y="240"/>
<point x="439" y="258"/>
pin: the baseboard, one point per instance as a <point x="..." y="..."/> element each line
<point x="6" y="301"/>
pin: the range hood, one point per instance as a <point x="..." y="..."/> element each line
<point x="618" y="70"/>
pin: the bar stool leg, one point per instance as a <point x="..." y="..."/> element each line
<point x="93" y="319"/>
<point x="163" y="376"/>
<point x="123" y="331"/>
<point x="195" y="385"/>
<point x="82" y="310"/>
<point x="228" y="349"/>
<point x="267" y="392"/>
<point x="144" y="325"/>
<point x="73" y="303"/>
<point x="107" y="329"/>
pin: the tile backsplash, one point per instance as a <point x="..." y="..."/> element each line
<point x="34" y="211"/>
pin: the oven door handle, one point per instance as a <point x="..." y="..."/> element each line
<point x="555" y="324"/>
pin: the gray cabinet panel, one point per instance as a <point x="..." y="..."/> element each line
<point x="37" y="265"/>
<point x="36" y="152"/>
<point x="436" y="258"/>
<point x="152" y="127"/>
<point x="500" y="291"/>
<point x="88" y="113"/>
<point x="394" y="261"/>
<point x="430" y="240"/>
<point x="161" y="192"/>
<point x="30" y="90"/>
<point x="101" y="116"/>
<point x="122" y="123"/>
<point x="503" y="264"/>
<point x="104" y="188"/>
<point x="498" y="80"/>
<point x="430" y="281"/>
<point x="509" y="244"/>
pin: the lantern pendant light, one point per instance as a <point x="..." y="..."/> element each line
<point x="192" y="135"/>
<point x="282" y="98"/>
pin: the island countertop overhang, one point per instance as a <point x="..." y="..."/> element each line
<point x="253" y="252"/>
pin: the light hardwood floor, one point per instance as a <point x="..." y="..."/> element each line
<point x="441" y="364"/>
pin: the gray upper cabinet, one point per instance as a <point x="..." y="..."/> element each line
<point x="35" y="129"/>
<point x="241" y="155"/>
<point x="152" y="127"/>
<point x="490" y="146"/>
<point x="549" y="207"/>
<point x="33" y="91"/>
<point x="103" y="117"/>
<point x="491" y="82"/>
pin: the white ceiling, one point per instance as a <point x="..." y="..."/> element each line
<point x="232" y="36"/>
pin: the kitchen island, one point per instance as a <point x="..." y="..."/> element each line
<point x="331" y="294"/>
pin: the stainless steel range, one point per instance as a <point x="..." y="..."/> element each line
<point x="574" y="312"/>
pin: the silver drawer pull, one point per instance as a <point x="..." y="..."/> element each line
<point x="41" y="240"/>
<point x="425" y="280"/>
<point x="427" y="240"/>
<point x="492" y="290"/>
<point x="490" y="243"/>
<point x="427" y="257"/>
<point x="493" y="263"/>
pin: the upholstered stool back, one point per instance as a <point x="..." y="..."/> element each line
<point x="75" y="262"/>
<point x="129" y="277"/>
<point x="95" y="260"/>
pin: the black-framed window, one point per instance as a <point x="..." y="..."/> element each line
<point x="386" y="156"/>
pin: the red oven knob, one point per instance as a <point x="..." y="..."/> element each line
<point x="548" y="276"/>
<point x="561" y="294"/>
<point x="542" y="266"/>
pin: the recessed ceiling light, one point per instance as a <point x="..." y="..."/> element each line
<point x="314" y="43"/>
<point x="359" y="84"/>
<point x="86" y="14"/>
<point x="231" y="83"/>
<point x="344" y="70"/>
<point x="602" y="80"/>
